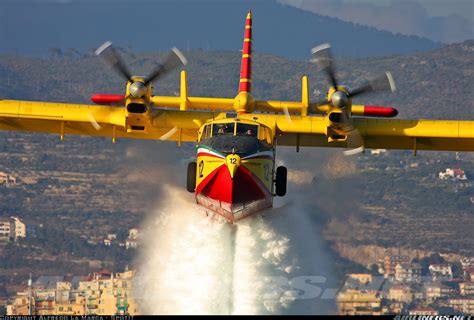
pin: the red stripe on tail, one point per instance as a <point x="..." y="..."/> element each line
<point x="246" y="66"/>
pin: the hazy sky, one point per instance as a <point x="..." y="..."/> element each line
<point x="463" y="8"/>
<point x="442" y="20"/>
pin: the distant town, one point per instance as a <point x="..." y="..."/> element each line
<point x="100" y="293"/>
<point x="400" y="285"/>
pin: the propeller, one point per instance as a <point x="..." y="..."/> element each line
<point x="112" y="58"/>
<point x="341" y="98"/>
<point x="323" y="58"/>
<point x="137" y="88"/>
<point x="173" y="60"/>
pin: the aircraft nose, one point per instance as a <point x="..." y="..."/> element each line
<point x="233" y="163"/>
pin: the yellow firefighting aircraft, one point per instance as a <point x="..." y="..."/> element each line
<point x="235" y="174"/>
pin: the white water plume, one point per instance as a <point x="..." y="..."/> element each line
<point x="192" y="263"/>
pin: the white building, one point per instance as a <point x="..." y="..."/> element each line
<point x="133" y="233"/>
<point x="444" y="270"/>
<point x="467" y="262"/>
<point x="454" y="174"/>
<point x="6" y="179"/>
<point x="19" y="228"/>
<point x="378" y="152"/>
<point x="408" y="272"/>
<point x="11" y="229"/>
<point x="132" y="240"/>
<point x="131" y="243"/>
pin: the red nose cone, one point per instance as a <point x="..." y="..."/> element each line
<point x="380" y="111"/>
<point x="107" y="99"/>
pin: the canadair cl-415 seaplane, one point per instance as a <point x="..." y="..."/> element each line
<point x="234" y="174"/>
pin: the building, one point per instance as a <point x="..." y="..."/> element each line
<point x="20" y="305"/>
<point x="400" y="294"/>
<point x="131" y="243"/>
<point x="18" y="229"/>
<point x="438" y="291"/>
<point x="133" y="233"/>
<point x="7" y="180"/>
<point x="356" y="302"/>
<point x="361" y="295"/>
<point x="101" y="293"/>
<point x="394" y="308"/>
<point x="438" y="271"/>
<point x="455" y="174"/>
<point x="11" y="229"/>
<point x="423" y="312"/>
<point x="390" y="262"/>
<point x="378" y="152"/>
<point x="469" y="273"/>
<point x="467" y="262"/>
<point x="464" y="305"/>
<point x="466" y="288"/>
<point x="408" y="272"/>
<point x="133" y="238"/>
<point x="363" y="278"/>
<point x="5" y="230"/>
<point x="112" y="236"/>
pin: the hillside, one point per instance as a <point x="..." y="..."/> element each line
<point x="434" y="84"/>
<point x="159" y="25"/>
<point x="84" y="188"/>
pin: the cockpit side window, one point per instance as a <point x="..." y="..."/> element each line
<point x="249" y="130"/>
<point x="223" y="128"/>
<point x="265" y="135"/>
<point x="206" y="133"/>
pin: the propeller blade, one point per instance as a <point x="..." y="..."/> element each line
<point x="381" y="83"/>
<point x="323" y="58"/>
<point x="111" y="57"/>
<point x="168" y="134"/>
<point x="287" y="114"/>
<point x="94" y="122"/>
<point x="173" y="60"/>
<point x="355" y="142"/>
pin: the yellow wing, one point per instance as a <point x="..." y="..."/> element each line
<point x="443" y="135"/>
<point x="80" y="119"/>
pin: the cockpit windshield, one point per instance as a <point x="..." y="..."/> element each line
<point x="236" y="137"/>
<point x="223" y="128"/>
<point x="249" y="130"/>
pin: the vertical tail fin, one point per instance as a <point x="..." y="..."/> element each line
<point x="245" y="84"/>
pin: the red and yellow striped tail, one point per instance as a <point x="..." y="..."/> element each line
<point x="246" y="67"/>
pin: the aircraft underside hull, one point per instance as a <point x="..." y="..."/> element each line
<point x="233" y="198"/>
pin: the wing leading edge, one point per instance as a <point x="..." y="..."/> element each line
<point x="89" y="120"/>
<point x="442" y="135"/>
